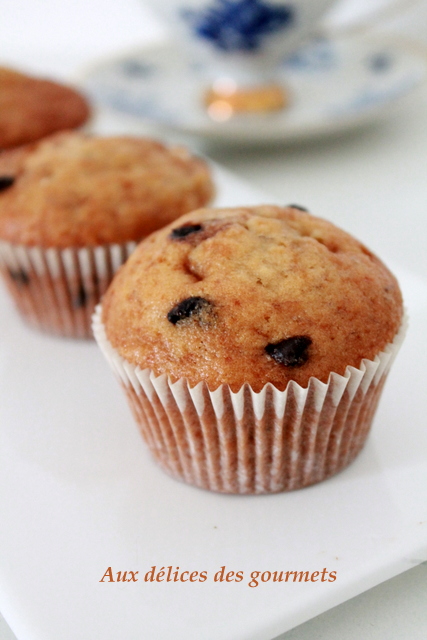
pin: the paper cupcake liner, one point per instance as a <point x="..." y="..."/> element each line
<point x="247" y="442"/>
<point x="56" y="290"/>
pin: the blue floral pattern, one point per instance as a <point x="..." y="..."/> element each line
<point x="135" y="69"/>
<point x="380" y="62"/>
<point x="239" y="25"/>
<point x="320" y="55"/>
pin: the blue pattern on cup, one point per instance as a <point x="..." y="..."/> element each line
<point x="239" y="25"/>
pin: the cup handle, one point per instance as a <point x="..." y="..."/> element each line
<point x="391" y="10"/>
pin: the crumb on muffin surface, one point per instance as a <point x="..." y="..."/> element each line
<point x="258" y="294"/>
<point x="77" y="190"/>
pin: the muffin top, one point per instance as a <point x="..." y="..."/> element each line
<point x="31" y="108"/>
<point x="76" y="190"/>
<point x="256" y="295"/>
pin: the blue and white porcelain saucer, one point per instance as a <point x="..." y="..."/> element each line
<point x="334" y="84"/>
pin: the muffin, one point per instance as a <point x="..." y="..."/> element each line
<point x="73" y="207"/>
<point x="253" y="344"/>
<point x="31" y="108"/>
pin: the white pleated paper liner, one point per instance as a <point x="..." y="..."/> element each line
<point x="57" y="290"/>
<point x="247" y="442"/>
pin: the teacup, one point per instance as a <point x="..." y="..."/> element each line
<point x="238" y="44"/>
<point x="241" y="37"/>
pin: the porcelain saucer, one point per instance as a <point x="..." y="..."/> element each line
<point x="334" y="84"/>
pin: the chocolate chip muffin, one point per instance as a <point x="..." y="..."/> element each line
<point x="262" y="336"/>
<point x="72" y="208"/>
<point x="252" y="295"/>
<point x="31" y="108"/>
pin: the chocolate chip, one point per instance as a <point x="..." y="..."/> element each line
<point x="184" y="231"/>
<point x="297" y="206"/>
<point x="6" y="182"/>
<point x="291" y="352"/>
<point x="80" y="299"/>
<point x="19" y="276"/>
<point x="194" y="308"/>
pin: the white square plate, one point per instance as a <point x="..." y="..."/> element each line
<point x="79" y="493"/>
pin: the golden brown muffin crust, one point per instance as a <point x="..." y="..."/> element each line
<point x="31" y="108"/>
<point x="257" y="295"/>
<point x="76" y="190"/>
